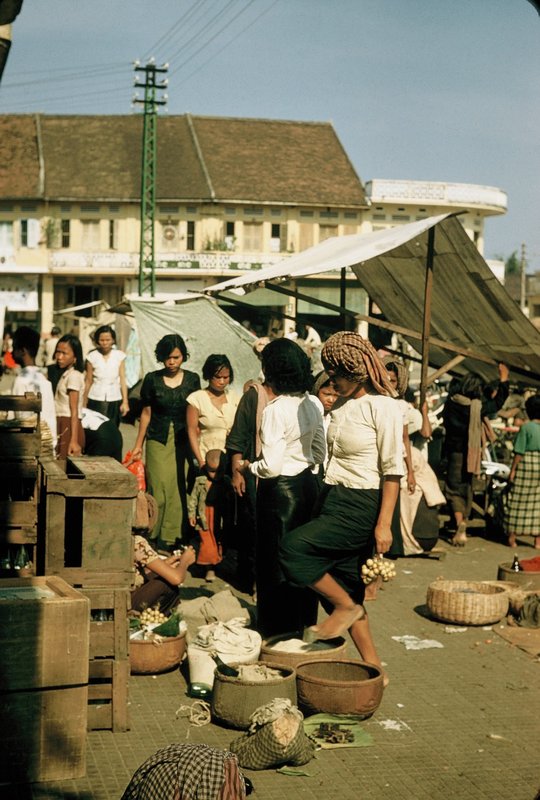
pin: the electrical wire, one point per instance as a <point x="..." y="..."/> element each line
<point x="183" y="20"/>
<point x="202" y="31"/>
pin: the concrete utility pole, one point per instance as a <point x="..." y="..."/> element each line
<point x="523" y="276"/>
<point x="147" y="263"/>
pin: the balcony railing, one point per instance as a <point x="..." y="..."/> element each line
<point x="437" y="193"/>
<point x="209" y="261"/>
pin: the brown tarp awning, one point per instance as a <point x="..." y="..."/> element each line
<point x="471" y="312"/>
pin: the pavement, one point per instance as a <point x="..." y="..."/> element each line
<point x="461" y="721"/>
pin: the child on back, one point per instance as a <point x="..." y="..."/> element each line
<point x="206" y="508"/>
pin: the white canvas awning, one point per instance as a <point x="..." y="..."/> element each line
<point x="428" y="278"/>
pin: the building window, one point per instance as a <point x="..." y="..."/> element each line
<point x="113" y="234"/>
<point x="168" y="209"/>
<point x="230" y="210"/>
<point x="252" y="237"/>
<point x="306" y="213"/>
<point x="6" y="235"/>
<point x="230" y="237"/>
<point x="81" y="295"/>
<point x="276" y="212"/>
<point x="90" y="208"/>
<point x="378" y="216"/>
<point x="191" y="209"/>
<point x="328" y="214"/>
<point x="400" y="218"/>
<point x="190" y="239"/>
<point x="90" y="234"/>
<point x="350" y="215"/>
<point x="24" y="233"/>
<point x="65" y="229"/>
<point x="114" y="208"/>
<point x="28" y="207"/>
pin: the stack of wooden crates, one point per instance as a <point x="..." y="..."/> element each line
<point x="86" y="512"/>
<point x="19" y="485"/>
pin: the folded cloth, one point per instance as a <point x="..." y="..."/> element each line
<point x="219" y="607"/>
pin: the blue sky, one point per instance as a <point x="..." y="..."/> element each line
<point x="416" y="89"/>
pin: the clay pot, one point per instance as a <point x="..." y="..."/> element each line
<point x="527" y="580"/>
<point x="234" y="700"/>
<point x="339" y="687"/>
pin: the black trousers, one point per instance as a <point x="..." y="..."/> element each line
<point x="283" y="503"/>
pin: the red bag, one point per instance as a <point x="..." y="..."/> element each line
<point x="137" y="469"/>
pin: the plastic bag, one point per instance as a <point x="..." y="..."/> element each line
<point x="137" y="469"/>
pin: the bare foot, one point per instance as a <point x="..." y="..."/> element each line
<point x="512" y="540"/>
<point x="460" y="537"/>
<point x="537" y="542"/>
<point x="337" y="624"/>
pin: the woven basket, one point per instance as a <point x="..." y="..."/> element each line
<point x="467" y="602"/>
<point x="270" y="652"/>
<point x="148" y="658"/>
<point x="234" y="700"/>
<point x="339" y="687"/>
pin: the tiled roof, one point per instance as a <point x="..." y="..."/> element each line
<point x="199" y="159"/>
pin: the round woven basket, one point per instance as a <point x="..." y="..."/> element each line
<point x="339" y="687"/>
<point x="234" y="700"/>
<point x="149" y="658"/>
<point x="270" y="652"/>
<point x="467" y="602"/>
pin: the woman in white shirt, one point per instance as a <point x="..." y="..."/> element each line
<point x="361" y="488"/>
<point x="292" y="443"/>
<point x="105" y="377"/>
<point x="68" y="396"/>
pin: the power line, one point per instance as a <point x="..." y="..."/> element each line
<point x="202" y="31"/>
<point x="209" y="41"/>
<point x="79" y="76"/>
<point x="181" y="22"/>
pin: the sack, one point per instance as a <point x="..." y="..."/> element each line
<point x="137" y="469"/>
<point x="280" y="741"/>
<point x="529" y="616"/>
<point x="146" y="511"/>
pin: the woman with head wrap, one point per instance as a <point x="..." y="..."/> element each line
<point x="361" y="488"/>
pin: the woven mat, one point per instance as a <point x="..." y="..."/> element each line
<point x="527" y="639"/>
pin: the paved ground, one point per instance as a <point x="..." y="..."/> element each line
<point x="465" y="717"/>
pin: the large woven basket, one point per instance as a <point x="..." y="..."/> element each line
<point x="339" y="687"/>
<point x="149" y="658"/>
<point x="234" y="700"/>
<point x="467" y="602"/>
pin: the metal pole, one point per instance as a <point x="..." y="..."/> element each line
<point x="426" y="325"/>
<point x="343" y="296"/>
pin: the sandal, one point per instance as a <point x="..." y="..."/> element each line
<point x="319" y="632"/>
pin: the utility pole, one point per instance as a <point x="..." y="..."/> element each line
<point x="150" y="101"/>
<point x="523" y="276"/>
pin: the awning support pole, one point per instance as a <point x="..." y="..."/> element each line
<point x="343" y="297"/>
<point x="426" y="325"/>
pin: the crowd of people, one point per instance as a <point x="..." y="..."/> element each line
<point x="304" y="476"/>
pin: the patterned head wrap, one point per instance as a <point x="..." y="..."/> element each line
<point x="352" y="356"/>
<point x="402" y="373"/>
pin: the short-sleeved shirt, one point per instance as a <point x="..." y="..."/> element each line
<point x="365" y="442"/>
<point x="143" y="555"/>
<point x="106" y="375"/>
<point x="528" y="438"/>
<point x="215" y="422"/>
<point x="31" y="379"/>
<point x="168" y="404"/>
<point x="71" y="380"/>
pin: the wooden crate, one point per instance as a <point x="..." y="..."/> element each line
<point x="88" y="506"/>
<point x="109" y="659"/>
<point x="109" y="637"/>
<point x="43" y="735"/>
<point x="20" y="438"/>
<point x="44" y="634"/>
<point x="108" y="694"/>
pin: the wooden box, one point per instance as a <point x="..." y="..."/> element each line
<point x="88" y="507"/>
<point x="108" y="694"/>
<point x="43" y="735"/>
<point x="44" y="635"/>
<point x="109" y="659"/>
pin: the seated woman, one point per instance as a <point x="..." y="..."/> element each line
<point x="157" y="579"/>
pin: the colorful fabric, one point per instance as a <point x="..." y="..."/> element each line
<point x="523" y="500"/>
<point x="402" y="373"/>
<point x="143" y="555"/>
<point x="187" y="772"/>
<point x="350" y="355"/>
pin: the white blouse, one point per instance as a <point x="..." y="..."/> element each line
<point x="292" y="437"/>
<point x="70" y="380"/>
<point x="365" y="442"/>
<point x="106" y="377"/>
